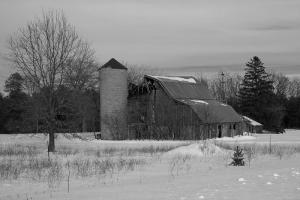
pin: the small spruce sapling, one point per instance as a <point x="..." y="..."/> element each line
<point x="238" y="157"/>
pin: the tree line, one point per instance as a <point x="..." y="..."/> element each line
<point x="268" y="97"/>
<point x="23" y="112"/>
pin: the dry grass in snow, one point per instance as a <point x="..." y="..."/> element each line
<point x="279" y="145"/>
<point x="83" y="168"/>
<point x="24" y="157"/>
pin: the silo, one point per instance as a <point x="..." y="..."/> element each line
<point x="113" y="100"/>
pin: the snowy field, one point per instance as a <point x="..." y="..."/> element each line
<point x="84" y="168"/>
<point x="290" y="136"/>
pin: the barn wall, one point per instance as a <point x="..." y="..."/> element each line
<point x="175" y="120"/>
<point x="247" y="127"/>
<point x="258" y="129"/>
<point x="165" y="118"/>
<point x="157" y="116"/>
<point x="138" y="115"/>
<point x="231" y="129"/>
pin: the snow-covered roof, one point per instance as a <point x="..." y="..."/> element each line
<point x="176" y="78"/>
<point x="182" y="87"/>
<point x="212" y="111"/>
<point x="199" y="101"/>
<point x="252" y="122"/>
<point x="205" y="102"/>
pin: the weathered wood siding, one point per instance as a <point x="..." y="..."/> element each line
<point x="164" y="118"/>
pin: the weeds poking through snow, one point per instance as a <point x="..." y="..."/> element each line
<point x="250" y="153"/>
<point x="18" y="150"/>
<point x="19" y="161"/>
<point x="252" y="149"/>
<point x="55" y="174"/>
<point x="179" y="163"/>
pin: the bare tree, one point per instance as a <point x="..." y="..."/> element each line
<point x="294" y="88"/>
<point x="225" y="87"/>
<point x="280" y="83"/>
<point x="81" y="75"/>
<point x="43" y="51"/>
<point x="81" y="72"/>
<point x="135" y="75"/>
<point x="285" y="86"/>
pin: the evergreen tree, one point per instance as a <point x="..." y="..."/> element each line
<point x="256" y="96"/>
<point x="256" y="85"/>
<point x="2" y="114"/>
<point x="238" y="157"/>
<point x="14" y="84"/>
<point x="292" y="119"/>
<point x="15" y="103"/>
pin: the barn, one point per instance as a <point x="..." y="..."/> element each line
<point x="168" y="107"/>
<point x="162" y="107"/>
<point x="252" y="126"/>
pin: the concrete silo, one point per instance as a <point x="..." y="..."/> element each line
<point x="113" y="100"/>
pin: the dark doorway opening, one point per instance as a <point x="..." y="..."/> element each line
<point x="219" y="131"/>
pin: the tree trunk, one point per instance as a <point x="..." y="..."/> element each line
<point x="51" y="146"/>
<point x="51" y="122"/>
<point x="84" y="124"/>
<point x="37" y="125"/>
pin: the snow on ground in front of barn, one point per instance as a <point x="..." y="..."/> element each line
<point x="236" y="138"/>
<point x="197" y="171"/>
<point x="199" y="149"/>
<point x="291" y="136"/>
<point x="83" y="141"/>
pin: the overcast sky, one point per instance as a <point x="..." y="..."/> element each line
<point x="173" y="33"/>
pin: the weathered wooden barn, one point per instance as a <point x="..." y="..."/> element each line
<point x="166" y="107"/>
<point x="162" y="107"/>
<point x="252" y="126"/>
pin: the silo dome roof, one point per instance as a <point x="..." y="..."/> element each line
<point x="113" y="64"/>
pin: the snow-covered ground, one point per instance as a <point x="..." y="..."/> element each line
<point x="291" y="136"/>
<point x="200" y="149"/>
<point x="196" y="171"/>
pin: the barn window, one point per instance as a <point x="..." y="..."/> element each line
<point x="234" y="126"/>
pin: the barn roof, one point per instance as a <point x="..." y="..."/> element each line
<point x="182" y="87"/>
<point x="251" y="121"/>
<point x="189" y="91"/>
<point x="113" y="64"/>
<point x="213" y="111"/>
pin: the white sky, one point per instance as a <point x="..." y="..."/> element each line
<point x="172" y="33"/>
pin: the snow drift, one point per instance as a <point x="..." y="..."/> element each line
<point x="206" y="148"/>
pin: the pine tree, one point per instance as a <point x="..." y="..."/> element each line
<point x="255" y="86"/>
<point x="14" y="83"/>
<point x="238" y="157"/>
<point x="15" y="103"/>
<point x="256" y="96"/>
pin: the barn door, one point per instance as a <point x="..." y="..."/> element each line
<point x="219" y="131"/>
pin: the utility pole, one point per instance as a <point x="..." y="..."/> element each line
<point x="222" y="87"/>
